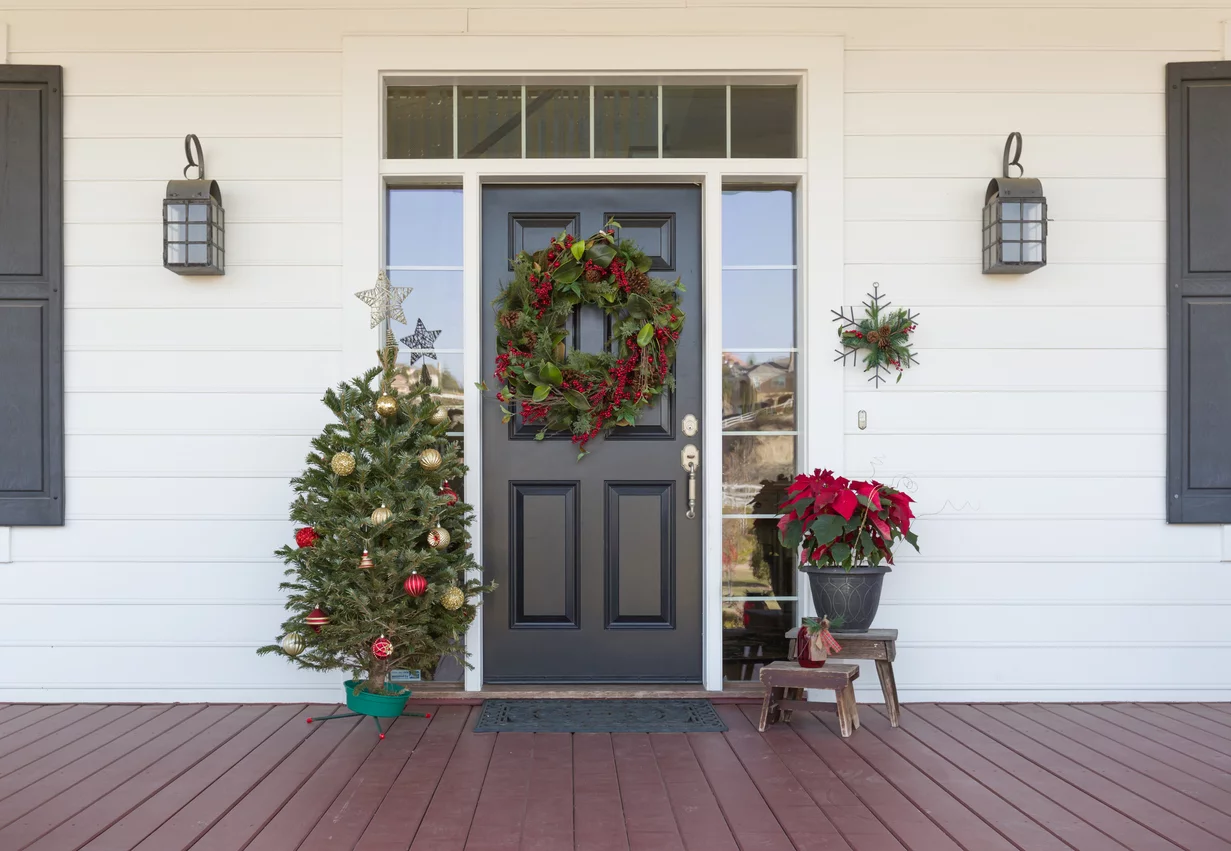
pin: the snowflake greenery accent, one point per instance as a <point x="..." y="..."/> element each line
<point x="883" y="335"/>
<point x="385" y="300"/>
<point x="422" y="343"/>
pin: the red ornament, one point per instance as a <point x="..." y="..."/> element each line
<point x="415" y="585"/>
<point x="382" y="648"/>
<point x="306" y="537"/>
<point x="449" y="493"/>
<point x="316" y="619"/>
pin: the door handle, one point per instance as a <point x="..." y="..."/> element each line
<point x="690" y="460"/>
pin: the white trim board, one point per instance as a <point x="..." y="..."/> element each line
<point x="817" y="61"/>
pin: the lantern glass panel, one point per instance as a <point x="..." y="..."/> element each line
<point x="177" y="212"/>
<point x="1032" y="212"/>
<point x="1010" y="211"/>
<point x="197" y="252"/>
<point x="176" y="252"/>
<point x="197" y="211"/>
<point x="1011" y="252"/>
<point x="177" y="232"/>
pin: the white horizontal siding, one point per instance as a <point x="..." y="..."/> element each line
<point x="1031" y="433"/>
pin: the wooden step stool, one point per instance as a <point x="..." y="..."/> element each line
<point x="784" y="691"/>
<point x="880" y="645"/>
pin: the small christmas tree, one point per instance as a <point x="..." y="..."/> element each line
<point x="382" y="576"/>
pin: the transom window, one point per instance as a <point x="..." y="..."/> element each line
<point x="591" y="121"/>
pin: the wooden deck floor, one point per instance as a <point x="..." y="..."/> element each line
<point x="980" y="778"/>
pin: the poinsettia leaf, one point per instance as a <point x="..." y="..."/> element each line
<point x="645" y="334"/>
<point x="540" y="392"/>
<point x="912" y="539"/>
<point x="790" y="537"/>
<point x="840" y="551"/>
<point x="845" y="504"/>
<point x="577" y="400"/>
<point x="550" y="373"/>
<point x="602" y="254"/>
<point x="826" y="528"/>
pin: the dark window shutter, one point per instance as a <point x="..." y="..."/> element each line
<point x="31" y="297"/>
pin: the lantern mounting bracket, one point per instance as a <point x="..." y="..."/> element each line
<point x="1017" y="155"/>
<point x="192" y="145"/>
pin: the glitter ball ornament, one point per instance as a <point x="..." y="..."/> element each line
<point x="452" y="599"/>
<point x="415" y="585"/>
<point x="292" y="644"/>
<point x="429" y="459"/>
<point x="381" y="515"/>
<point x="449" y="494"/>
<point x="316" y="619"/>
<point x="382" y="648"/>
<point x="306" y="537"/>
<point x="386" y="406"/>
<point x="343" y="464"/>
<point x="365" y="561"/>
<point x="439" y="416"/>
<point x="439" y="538"/>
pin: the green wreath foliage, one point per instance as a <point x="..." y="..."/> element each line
<point x="585" y="393"/>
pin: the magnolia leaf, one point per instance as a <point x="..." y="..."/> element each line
<point x="540" y="392"/>
<point x="643" y="265"/>
<point x="602" y="254"/>
<point x="582" y="454"/>
<point x="567" y="273"/>
<point x="645" y="334"/>
<point x="550" y="373"/>
<point x="576" y="399"/>
<point x="482" y="385"/>
<point x="639" y="307"/>
<point x="533" y="377"/>
<point x="578" y="250"/>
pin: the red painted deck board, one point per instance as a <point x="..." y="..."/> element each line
<point x="1046" y="777"/>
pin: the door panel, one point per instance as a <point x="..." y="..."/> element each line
<point x="598" y="569"/>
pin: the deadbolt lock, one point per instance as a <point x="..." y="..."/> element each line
<point x="689" y="425"/>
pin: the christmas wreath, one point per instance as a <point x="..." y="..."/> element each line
<point x="584" y="393"/>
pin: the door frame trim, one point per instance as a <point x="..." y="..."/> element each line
<point x="816" y="62"/>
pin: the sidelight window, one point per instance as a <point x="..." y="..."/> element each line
<point x="609" y="120"/>
<point x="759" y="425"/>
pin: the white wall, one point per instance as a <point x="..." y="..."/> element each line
<point x="1033" y="427"/>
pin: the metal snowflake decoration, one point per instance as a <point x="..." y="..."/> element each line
<point x="883" y="335"/>
<point x="422" y="343"/>
<point x="385" y="300"/>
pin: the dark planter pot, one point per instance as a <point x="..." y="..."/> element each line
<point x="379" y="705"/>
<point x="852" y="595"/>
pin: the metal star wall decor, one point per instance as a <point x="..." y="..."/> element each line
<point x="385" y="300"/>
<point x="880" y="334"/>
<point x="423" y="340"/>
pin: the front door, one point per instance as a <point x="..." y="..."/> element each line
<point x="598" y="568"/>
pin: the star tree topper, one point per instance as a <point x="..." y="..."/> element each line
<point x="423" y="340"/>
<point x="385" y="300"/>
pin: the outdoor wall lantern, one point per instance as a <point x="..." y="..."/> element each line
<point x="1014" y="219"/>
<point x="192" y="220"/>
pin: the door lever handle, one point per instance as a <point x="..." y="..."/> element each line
<point x="690" y="460"/>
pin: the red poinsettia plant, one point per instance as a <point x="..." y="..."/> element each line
<point x="836" y="522"/>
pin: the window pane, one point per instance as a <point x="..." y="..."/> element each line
<point x="758" y="391"/>
<point x="419" y="122"/>
<point x="758" y="309"/>
<point x="763" y="121"/>
<point x="753" y="635"/>
<point x="626" y="121"/>
<point x="444" y="376"/>
<point x="694" y="121"/>
<point x="754" y="564"/>
<point x="489" y="122"/>
<point x="437" y="300"/>
<point x="558" y="122"/>
<point x="755" y="472"/>
<point x="758" y="227"/>
<point x="425" y="227"/>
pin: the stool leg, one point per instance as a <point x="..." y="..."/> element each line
<point x="848" y="713"/>
<point x="791" y="694"/>
<point x="769" y="692"/>
<point x="884" y="669"/>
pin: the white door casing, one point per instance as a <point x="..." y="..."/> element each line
<point x="815" y="61"/>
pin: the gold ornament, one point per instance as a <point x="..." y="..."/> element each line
<point x="343" y="463"/>
<point x="381" y="515"/>
<point x="365" y="562"/>
<point x="292" y="644"/>
<point x="439" y="416"/>
<point x="429" y="459"/>
<point x="452" y="599"/>
<point x="386" y="406"/>
<point x="439" y="538"/>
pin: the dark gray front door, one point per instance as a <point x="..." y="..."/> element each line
<point x="599" y="569"/>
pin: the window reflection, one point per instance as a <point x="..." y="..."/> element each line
<point x="558" y="122"/>
<point x="489" y="122"/>
<point x="626" y="121"/>
<point x="758" y="391"/>
<point x="419" y="120"/>
<point x="758" y="227"/>
<point x="758" y="308"/>
<point x="437" y="300"/>
<point x="694" y="121"/>
<point x="425" y="227"/>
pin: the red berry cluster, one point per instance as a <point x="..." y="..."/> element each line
<point x="617" y="271"/>
<point x="505" y="360"/>
<point x="542" y="292"/>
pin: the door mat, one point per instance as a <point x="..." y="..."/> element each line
<point x="599" y="716"/>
